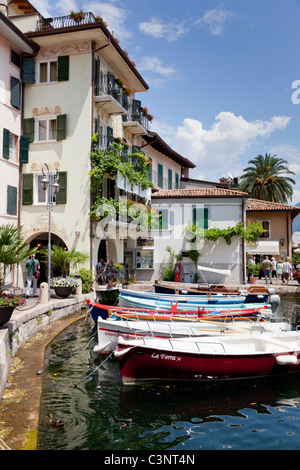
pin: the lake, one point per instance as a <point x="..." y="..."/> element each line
<point x="100" y="413"/>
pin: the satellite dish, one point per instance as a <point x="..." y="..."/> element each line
<point x="230" y="176"/>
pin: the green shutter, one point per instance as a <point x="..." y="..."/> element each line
<point x="170" y="179"/>
<point x="61" y="127"/>
<point x="110" y="136"/>
<point x="28" y="70"/>
<point x="24" y="148"/>
<point x="11" y="200"/>
<point x="15" y="96"/>
<point x="150" y="170"/>
<point x="160" y="180"/>
<point x="6" y="143"/>
<point x="61" y="197"/>
<point x="28" y="128"/>
<point x="176" y="180"/>
<point x="27" y="193"/>
<point x="63" y="68"/>
<point x="200" y="216"/>
<point x="163" y="219"/>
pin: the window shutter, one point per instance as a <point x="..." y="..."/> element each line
<point x="24" y="148"/>
<point x="176" y="180"/>
<point x="15" y="95"/>
<point x="169" y="179"/>
<point x="201" y="216"/>
<point x="160" y="175"/>
<point x="61" y="197"/>
<point x="97" y="76"/>
<point x="28" y="70"/>
<point x="27" y="194"/>
<point x="61" y="127"/>
<point x="110" y="136"/>
<point x="63" y="68"/>
<point x="6" y="143"/>
<point x="11" y="200"/>
<point x="150" y="170"/>
<point x="28" y="128"/>
<point x="163" y="219"/>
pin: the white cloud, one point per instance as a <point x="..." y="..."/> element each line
<point x="213" y="150"/>
<point x="215" y="20"/>
<point x="158" y="71"/>
<point x="156" y="28"/>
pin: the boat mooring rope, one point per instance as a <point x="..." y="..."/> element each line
<point x="98" y="367"/>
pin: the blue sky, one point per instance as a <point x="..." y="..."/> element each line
<point x="221" y="75"/>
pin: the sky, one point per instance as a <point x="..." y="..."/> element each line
<point x="223" y="75"/>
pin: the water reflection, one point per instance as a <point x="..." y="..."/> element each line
<point x="100" y="413"/>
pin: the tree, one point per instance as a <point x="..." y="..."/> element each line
<point x="13" y="249"/>
<point x="267" y="179"/>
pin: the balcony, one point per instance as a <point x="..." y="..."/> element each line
<point x="65" y="21"/>
<point x="134" y="121"/>
<point x="110" y="96"/>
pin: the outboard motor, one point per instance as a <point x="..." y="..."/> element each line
<point x="274" y="299"/>
<point x="296" y="319"/>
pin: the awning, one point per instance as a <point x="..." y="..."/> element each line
<point x="224" y="272"/>
<point x="263" y="247"/>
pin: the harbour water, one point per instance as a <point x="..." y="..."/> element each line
<point x="99" y="413"/>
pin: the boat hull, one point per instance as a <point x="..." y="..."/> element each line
<point x="150" y="364"/>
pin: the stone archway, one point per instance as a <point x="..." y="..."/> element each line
<point x="40" y="241"/>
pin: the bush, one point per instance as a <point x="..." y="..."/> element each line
<point x="168" y="273"/>
<point x="87" y="280"/>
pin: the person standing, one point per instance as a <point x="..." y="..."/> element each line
<point x="31" y="266"/>
<point x="279" y="269"/>
<point x="267" y="269"/>
<point x="274" y="267"/>
<point x="286" y="271"/>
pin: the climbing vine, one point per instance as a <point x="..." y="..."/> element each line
<point x="250" y="233"/>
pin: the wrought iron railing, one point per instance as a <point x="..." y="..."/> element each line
<point x="105" y="86"/>
<point x="134" y="114"/>
<point x="64" y="21"/>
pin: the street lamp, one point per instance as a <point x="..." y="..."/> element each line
<point x="49" y="183"/>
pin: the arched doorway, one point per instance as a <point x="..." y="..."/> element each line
<point x="40" y="242"/>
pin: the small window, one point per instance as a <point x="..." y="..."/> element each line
<point x="47" y="72"/>
<point x="15" y="58"/>
<point x="266" y="227"/>
<point x="46" y="129"/>
<point x="12" y="146"/>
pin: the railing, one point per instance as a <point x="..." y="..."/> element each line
<point x="105" y="86"/>
<point x="135" y="115"/>
<point x="64" y="22"/>
<point x="163" y="183"/>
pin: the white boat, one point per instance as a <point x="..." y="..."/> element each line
<point x="109" y="330"/>
<point x="209" y="359"/>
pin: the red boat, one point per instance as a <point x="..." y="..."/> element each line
<point x="241" y="356"/>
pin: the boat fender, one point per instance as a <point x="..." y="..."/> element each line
<point x="287" y="359"/>
<point x="98" y="349"/>
<point x="121" y="352"/>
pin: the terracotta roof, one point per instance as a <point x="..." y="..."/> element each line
<point x="259" y="205"/>
<point x="198" y="192"/>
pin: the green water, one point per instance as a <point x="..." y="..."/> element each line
<point x="101" y="414"/>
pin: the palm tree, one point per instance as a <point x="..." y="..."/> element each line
<point x="13" y="249"/>
<point x="267" y="179"/>
<point x="63" y="259"/>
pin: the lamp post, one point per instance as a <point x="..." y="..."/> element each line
<point x="49" y="183"/>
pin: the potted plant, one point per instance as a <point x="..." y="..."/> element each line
<point x="296" y="276"/>
<point x="253" y="272"/>
<point x="13" y="250"/>
<point x="77" y="16"/>
<point x="64" y="286"/>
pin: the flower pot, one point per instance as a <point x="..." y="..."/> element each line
<point x="253" y="279"/>
<point x="63" y="291"/>
<point x="5" y="314"/>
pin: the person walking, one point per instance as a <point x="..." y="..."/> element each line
<point x="267" y="269"/>
<point x="279" y="269"/>
<point x="31" y="266"/>
<point x="274" y="267"/>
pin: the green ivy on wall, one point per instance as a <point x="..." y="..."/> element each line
<point x="250" y="233"/>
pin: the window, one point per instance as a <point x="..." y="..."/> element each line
<point x="200" y="216"/>
<point x="160" y="180"/>
<point x="32" y="193"/>
<point x="45" y="129"/>
<point x="15" y="58"/>
<point x="9" y="145"/>
<point x="15" y="92"/>
<point x="47" y="72"/>
<point x="266" y="226"/>
<point x="170" y="177"/>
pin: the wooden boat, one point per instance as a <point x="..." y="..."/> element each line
<point x="222" y="314"/>
<point x="109" y="330"/>
<point x="208" y="359"/>
<point x="252" y="294"/>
